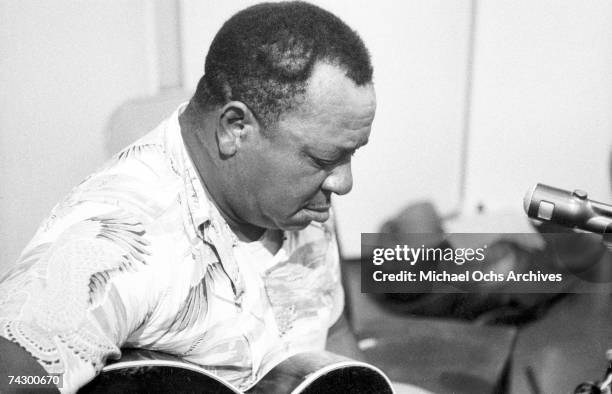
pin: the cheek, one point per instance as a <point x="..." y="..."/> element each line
<point x="285" y="182"/>
<point x="296" y="189"/>
<point x="304" y="184"/>
<point x="290" y="192"/>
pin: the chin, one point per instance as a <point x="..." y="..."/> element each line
<point x="295" y="226"/>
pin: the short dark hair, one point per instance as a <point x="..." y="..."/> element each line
<point x="264" y="55"/>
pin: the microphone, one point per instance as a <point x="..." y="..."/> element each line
<point x="570" y="209"/>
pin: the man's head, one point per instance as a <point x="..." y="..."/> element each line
<point x="288" y="97"/>
<point x="264" y="55"/>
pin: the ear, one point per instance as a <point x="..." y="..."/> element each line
<point x="236" y="123"/>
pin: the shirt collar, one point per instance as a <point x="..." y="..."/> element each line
<point x="198" y="202"/>
<point x="202" y="211"/>
<point x="205" y="218"/>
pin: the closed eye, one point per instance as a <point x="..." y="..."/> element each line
<point x="329" y="163"/>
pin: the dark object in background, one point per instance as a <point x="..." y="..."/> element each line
<point x="420" y="219"/>
<point x="491" y="305"/>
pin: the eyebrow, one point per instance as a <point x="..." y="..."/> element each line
<point x="335" y="151"/>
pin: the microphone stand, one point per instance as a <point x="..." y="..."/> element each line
<point x="574" y="210"/>
<point x="605" y="385"/>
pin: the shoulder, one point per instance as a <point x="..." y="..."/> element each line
<point x="129" y="195"/>
<point x="139" y="180"/>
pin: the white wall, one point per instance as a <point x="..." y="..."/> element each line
<point x="65" y="66"/>
<point x="542" y="100"/>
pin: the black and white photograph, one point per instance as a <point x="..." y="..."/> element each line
<point x="319" y="196"/>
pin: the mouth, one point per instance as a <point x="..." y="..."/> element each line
<point x="318" y="208"/>
<point x="318" y="213"/>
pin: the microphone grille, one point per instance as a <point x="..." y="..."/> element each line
<point x="527" y="198"/>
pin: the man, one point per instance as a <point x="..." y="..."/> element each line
<point x="211" y="237"/>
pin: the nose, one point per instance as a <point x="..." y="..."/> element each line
<point x="339" y="180"/>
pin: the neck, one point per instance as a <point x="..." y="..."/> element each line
<point x="197" y="130"/>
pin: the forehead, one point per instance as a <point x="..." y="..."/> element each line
<point x="333" y="110"/>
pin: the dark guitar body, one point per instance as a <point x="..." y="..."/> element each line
<point x="306" y="373"/>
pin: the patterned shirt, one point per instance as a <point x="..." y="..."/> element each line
<point x="137" y="255"/>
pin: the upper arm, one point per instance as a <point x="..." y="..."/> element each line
<point x="71" y="301"/>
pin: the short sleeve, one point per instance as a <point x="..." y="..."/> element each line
<point x="76" y="292"/>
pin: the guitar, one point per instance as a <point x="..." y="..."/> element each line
<point x="144" y="371"/>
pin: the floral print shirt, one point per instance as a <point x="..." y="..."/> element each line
<point x="137" y="255"/>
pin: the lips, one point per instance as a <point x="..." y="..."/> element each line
<point x="318" y="213"/>
<point x="318" y="208"/>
